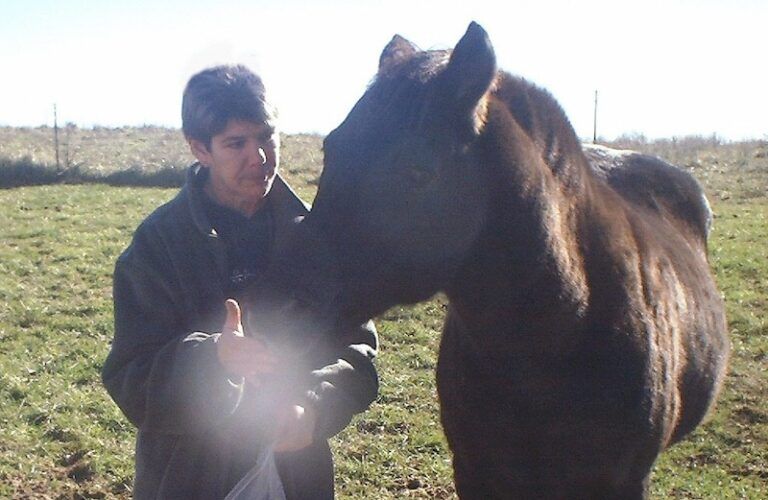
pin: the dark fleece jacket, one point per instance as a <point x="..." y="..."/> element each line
<point x="198" y="432"/>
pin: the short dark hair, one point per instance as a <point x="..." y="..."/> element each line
<point x="219" y="94"/>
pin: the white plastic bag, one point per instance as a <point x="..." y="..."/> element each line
<point x="262" y="482"/>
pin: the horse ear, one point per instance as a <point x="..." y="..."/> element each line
<point x="471" y="70"/>
<point x="397" y="50"/>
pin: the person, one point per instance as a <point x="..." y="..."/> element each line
<point x="181" y="368"/>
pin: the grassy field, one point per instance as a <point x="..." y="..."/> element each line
<point x="63" y="438"/>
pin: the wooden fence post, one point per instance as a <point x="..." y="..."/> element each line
<point x="594" y="121"/>
<point x="56" y="138"/>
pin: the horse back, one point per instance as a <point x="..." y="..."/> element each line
<point x="650" y="182"/>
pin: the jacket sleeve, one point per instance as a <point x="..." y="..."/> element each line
<point x="163" y="379"/>
<point x="347" y="384"/>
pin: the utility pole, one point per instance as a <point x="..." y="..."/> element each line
<point x="594" y="121"/>
<point x="56" y="137"/>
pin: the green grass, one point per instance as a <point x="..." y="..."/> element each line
<point x="63" y="438"/>
<point x="61" y="433"/>
<point x="728" y="457"/>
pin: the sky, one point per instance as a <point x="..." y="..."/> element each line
<point x="662" y="68"/>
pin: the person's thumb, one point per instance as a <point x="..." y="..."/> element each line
<point x="233" y="322"/>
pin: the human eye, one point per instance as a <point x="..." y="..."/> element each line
<point x="236" y="144"/>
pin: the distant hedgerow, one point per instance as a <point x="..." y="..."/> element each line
<point x="136" y="176"/>
<point x="24" y="172"/>
<point x="127" y="156"/>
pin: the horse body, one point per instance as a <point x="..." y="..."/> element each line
<point x="570" y="375"/>
<point x="584" y="333"/>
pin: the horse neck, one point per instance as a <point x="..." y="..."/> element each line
<point x="526" y="266"/>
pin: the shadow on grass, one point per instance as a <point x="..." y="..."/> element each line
<point x="25" y="172"/>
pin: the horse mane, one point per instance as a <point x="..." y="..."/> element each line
<point x="399" y="92"/>
<point x="419" y="67"/>
<point x="542" y="118"/>
<point x="541" y="192"/>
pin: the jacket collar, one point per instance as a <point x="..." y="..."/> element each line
<point x="285" y="203"/>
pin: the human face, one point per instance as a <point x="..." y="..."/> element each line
<point x="243" y="161"/>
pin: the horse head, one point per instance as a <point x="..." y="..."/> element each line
<point x="400" y="201"/>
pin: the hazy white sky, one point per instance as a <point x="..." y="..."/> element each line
<point x="662" y="67"/>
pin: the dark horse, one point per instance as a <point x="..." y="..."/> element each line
<point x="585" y="333"/>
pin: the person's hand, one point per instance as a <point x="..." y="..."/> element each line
<point x="242" y="356"/>
<point x="297" y="428"/>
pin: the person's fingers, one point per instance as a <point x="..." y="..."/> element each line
<point x="240" y="355"/>
<point x="297" y="429"/>
<point x="254" y="379"/>
<point x="253" y="350"/>
<point x="233" y="323"/>
<point x="245" y="356"/>
<point x="246" y="367"/>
